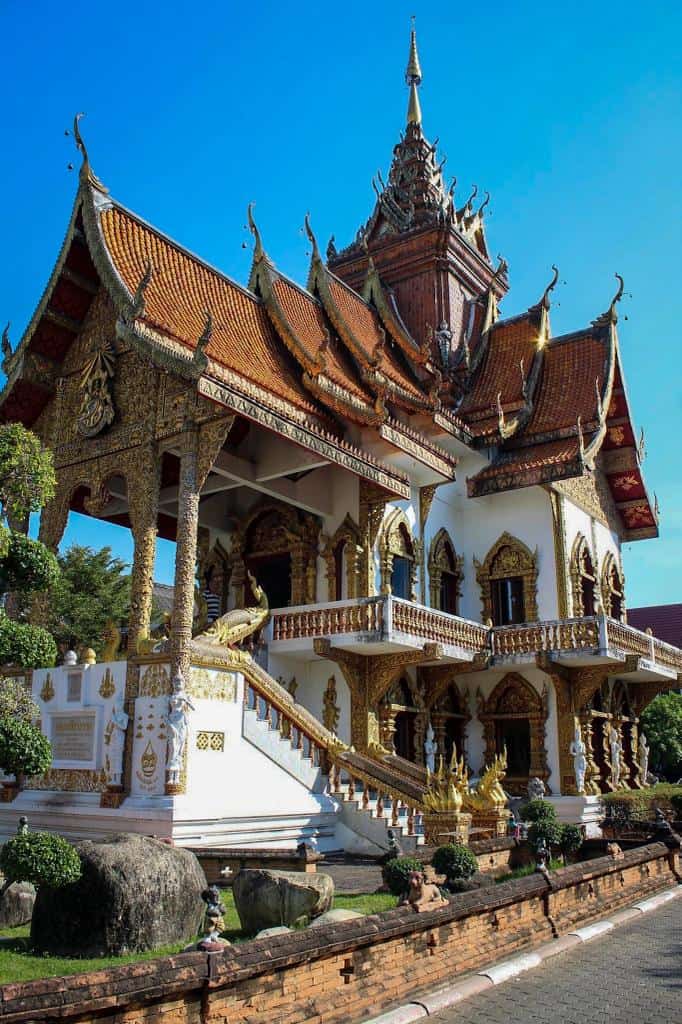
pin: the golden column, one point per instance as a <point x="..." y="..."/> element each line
<point x="143" y="506"/>
<point x="185" y="553"/>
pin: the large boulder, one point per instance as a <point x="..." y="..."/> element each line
<point x="134" y="894"/>
<point x="267" y="899"/>
<point x="16" y="904"/>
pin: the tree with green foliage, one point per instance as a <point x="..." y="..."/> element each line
<point x="27" y="482"/>
<point x="39" y="858"/>
<point x="661" y="721"/>
<point x="537" y="810"/>
<point x="92" y="590"/>
<point x="16" y="701"/>
<point x="571" y="840"/>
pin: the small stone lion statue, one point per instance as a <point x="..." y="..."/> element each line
<point x="614" y="850"/>
<point x="422" y="895"/>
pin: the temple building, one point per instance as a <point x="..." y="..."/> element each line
<point x="432" y="497"/>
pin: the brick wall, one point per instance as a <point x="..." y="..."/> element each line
<point x="353" y="970"/>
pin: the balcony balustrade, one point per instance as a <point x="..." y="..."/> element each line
<point x="384" y="623"/>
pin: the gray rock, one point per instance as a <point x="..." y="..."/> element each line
<point x="135" y="894"/>
<point x="334" y="916"/>
<point x="268" y="899"/>
<point x="16" y="906"/>
<point x="279" y="930"/>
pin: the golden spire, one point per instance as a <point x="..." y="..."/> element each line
<point x="413" y="77"/>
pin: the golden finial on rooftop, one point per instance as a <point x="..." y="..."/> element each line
<point x="413" y="77"/>
<point x="86" y="172"/>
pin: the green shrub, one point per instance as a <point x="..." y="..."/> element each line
<point x="571" y="839"/>
<point x="25" y="645"/>
<point x="545" y="830"/>
<point x="676" y="804"/>
<point x="27" y="478"/>
<point x="537" y="810"/>
<point x="455" y="862"/>
<point x="40" y="858"/>
<point x="641" y="804"/>
<point x="28" y="565"/>
<point x="23" y="748"/>
<point x="396" y="873"/>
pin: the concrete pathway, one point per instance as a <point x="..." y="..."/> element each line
<point x="631" y="975"/>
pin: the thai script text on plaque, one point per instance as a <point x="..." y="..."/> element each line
<point x="73" y="737"/>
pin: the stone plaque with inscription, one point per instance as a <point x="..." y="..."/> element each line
<point x="73" y="738"/>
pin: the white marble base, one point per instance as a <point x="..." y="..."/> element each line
<point x="580" y="810"/>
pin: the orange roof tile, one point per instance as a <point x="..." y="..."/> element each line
<point x="307" y="322"/>
<point x="500" y="373"/>
<point x="183" y="287"/>
<point x="364" y="324"/>
<point x="523" y="467"/>
<point x="566" y="388"/>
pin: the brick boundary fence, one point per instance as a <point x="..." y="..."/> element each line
<point x="352" y="970"/>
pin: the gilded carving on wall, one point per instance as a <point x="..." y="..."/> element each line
<point x="204" y="685"/>
<point x="509" y="557"/>
<point x="214" y="741"/>
<point x="107" y="688"/>
<point x="155" y="682"/>
<point x="331" y="712"/>
<point x="612" y="588"/>
<point x="97" y="407"/>
<point x="71" y="780"/>
<point x="47" y="690"/>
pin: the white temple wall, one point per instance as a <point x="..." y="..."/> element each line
<point x="474" y="524"/>
<point x="311" y="682"/>
<point x="599" y="537"/>
<point x="345" y="501"/>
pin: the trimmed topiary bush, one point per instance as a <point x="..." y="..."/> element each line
<point x="545" y="830"/>
<point x="40" y="858"/>
<point x="28" y="565"/>
<point x="571" y="840"/>
<point x="676" y="804"/>
<point x="640" y="804"/>
<point x="537" y="810"/>
<point x="25" y="645"/>
<point x="455" y="861"/>
<point x="23" y="749"/>
<point x="396" y="873"/>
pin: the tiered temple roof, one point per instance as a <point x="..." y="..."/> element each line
<point x="353" y="349"/>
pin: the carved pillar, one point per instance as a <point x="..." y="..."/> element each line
<point x="387" y="715"/>
<point x="372" y="506"/>
<point x="185" y="553"/>
<point x="143" y="505"/>
<point x="199" y="448"/>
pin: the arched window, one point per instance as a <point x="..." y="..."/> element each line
<point x="514" y="717"/>
<point x="398" y="558"/>
<point x="583" y="578"/>
<point x="445" y="574"/>
<point x="508" y="581"/>
<point x="612" y="588"/>
<point x="342" y="554"/>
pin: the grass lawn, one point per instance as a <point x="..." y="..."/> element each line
<point x="17" y="963"/>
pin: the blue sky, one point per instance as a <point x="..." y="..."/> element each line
<point x="569" y="115"/>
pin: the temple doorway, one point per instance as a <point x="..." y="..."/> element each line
<point x="273" y="574"/>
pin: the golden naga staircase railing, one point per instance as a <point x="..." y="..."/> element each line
<point x="372" y="782"/>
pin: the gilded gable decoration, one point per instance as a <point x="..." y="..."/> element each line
<point x="509" y="557"/>
<point x="396" y="541"/>
<point x="443" y="559"/>
<point x="155" y="682"/>
<point x="97" y="406"/>
<point x="583" y="578"/>
<point x="343" y="554"/>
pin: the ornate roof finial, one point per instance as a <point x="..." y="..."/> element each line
<point x="6" y="345"/>
<point x="413" y="77"/>
<point x="86" y="172"/>
<point x="258" y="250"/>
<point x="484" y="204"/>
<point x="611" y="316"/>
<point x="500" y="414"/>
<point x="550" y="287"/>
<point x="581" y="438"/>
<point x="311" y="237"/>
<point x="207" y="333"/>
<point x="138" y="303"/>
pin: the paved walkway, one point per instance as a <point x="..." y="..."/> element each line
<point x="633" y="975"/>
